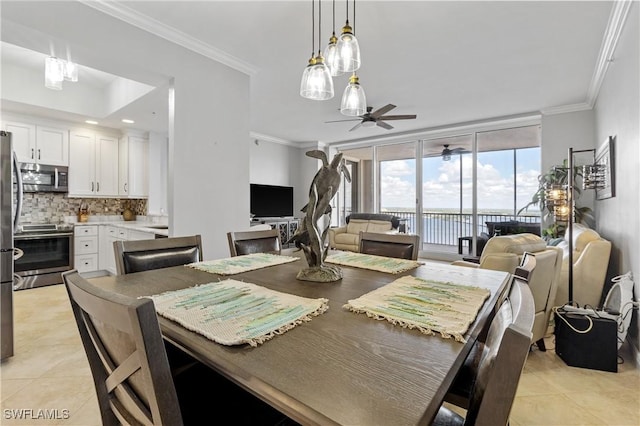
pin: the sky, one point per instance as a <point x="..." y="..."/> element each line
<point x="441" y="187"/>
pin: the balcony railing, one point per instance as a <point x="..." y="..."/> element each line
<point x="446" y="228"/>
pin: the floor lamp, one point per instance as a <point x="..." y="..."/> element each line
<point x="562" y="199"/>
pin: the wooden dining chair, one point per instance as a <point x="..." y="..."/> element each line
<point x="247" y="242"/>
<point x="401" y="246"/>
<point x="143" y="255"/>
<point x="500" y="363"/>
<point x="131" y="373"/>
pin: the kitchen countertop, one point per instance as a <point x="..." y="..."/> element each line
<point x="142" y="226"/>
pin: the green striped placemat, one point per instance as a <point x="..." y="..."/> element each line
<point x="232" y="312"/>
<point x="390" y="265"/>
<point x="430" y="306"/>
<point x="244" y="263"/>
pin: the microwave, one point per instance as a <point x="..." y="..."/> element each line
<point x="44" y="178"/>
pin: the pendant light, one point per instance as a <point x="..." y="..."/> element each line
<point x="354" y="101"/>
<point x="348" y="48"/>
<point x="53" y="73"/>
<point x="316" y="81"/>
<point x="331" y="52"/>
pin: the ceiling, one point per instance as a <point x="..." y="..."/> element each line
<point x="447" y="62"/>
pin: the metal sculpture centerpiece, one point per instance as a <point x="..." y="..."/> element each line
<point x="312" y="233"/>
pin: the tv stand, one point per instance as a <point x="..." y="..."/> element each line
<point x="287" y="226"/>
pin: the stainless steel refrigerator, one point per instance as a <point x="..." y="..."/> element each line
<point x="9" y="215"/>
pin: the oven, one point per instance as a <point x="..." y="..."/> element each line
<point x="48" y="251"/>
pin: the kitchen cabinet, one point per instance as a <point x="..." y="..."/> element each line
<point x="93" y="165"/>
<point x="134" y="168"/>
<point x="108" y="235"/>
<point x="39" y="144"/>
<point x="85" y="243"/>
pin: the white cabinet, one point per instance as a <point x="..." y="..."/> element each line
<point x="93" y="165"/>
<point x="85" y="245"/>
<point x="39" y="144"/>
<point x="134" y="168"/>
<point x="109" y="234"/>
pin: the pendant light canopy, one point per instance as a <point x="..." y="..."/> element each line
<point x="354" y="101"/>
<point x="348" y="48"/>
<point x="316" y="83"/>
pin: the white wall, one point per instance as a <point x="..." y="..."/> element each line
<point x="270" y="163"/>
<point x="158" y="175"/>
<point x="617" y="113"/>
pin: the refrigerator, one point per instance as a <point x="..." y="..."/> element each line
<point x="9" y="215"/>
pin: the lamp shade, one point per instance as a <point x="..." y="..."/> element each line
<point x="354" y="101"/>
<point x="316" y="81"/>
<point x="348" y="50"/>
<point x="331" y="56"/>
<point x="53" y="73"/>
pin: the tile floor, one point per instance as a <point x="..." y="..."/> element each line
<point x="50" y="376"/>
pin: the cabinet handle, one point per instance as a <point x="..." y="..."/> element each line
<point x="32" y="153"/>
<point x="91" y="186"/>
<point x="125" y="187"/>
<point x="38" y="153"/>
<point x="98" y="187"/>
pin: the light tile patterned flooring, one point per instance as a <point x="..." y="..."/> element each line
<point x="50" y="372"/>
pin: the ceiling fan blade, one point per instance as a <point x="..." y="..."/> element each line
<point x="338" y="121"/>
<point x="384" y="125"/>
<point x="355" y="127"/>
<point x="460" y="150"/>
<point x="398" y="117"/>
<point x="381" y="111"/>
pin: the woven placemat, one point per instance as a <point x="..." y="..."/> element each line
<point x="232" y="312"/>
<point x="244" y="263"/>
<point x="389" y="265"/>
<point x="430" y="306"/>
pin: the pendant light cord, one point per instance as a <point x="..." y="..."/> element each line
<point x="334" y="17"/>
<point x="354" y="17"/>
<point x="347" y="3"/>
<point x="319" y="25"/>
<point x="313" y="28"/>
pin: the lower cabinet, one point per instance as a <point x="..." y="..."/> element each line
<point x="85" y="244"/>
<point x="287" y="226"/>
<point x="105" y="255"/>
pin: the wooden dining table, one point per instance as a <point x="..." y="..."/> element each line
<point x="341" y="367"/>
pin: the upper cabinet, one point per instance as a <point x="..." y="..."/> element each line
<point x="134" y="168"/>
<point x="93" y="170"/>
<point x="39" y="144"/>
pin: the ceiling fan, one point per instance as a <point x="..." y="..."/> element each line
<point x="376" y="118"/>
<point x="447" y="152"/>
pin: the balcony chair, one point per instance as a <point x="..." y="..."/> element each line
<point x="401" y="246"/>
<point x="505" y="252"/>
<point x="500" y="363"/>
<point x="144" y="255"/>
<point x="133" y="381"/>
<point x="247" y="242"/>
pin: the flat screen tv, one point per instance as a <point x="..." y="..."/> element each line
<point x="271" y="200"/>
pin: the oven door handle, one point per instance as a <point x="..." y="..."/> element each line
<point x="33" y="236"/>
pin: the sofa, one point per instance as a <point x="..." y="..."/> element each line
<point x="504" y="253"/>
<point x="591" y="255"/>
<point x="347" y="237"/>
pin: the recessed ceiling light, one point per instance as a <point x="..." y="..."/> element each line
<point x="90" y="121"/>
<point x="126" y="120"/>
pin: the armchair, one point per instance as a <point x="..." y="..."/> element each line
<point x="590" y="262"/>
<point x="348" y="237"/>
<point x="504" y="253"/>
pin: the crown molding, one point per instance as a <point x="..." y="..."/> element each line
<point x="273" y="139"/>
<point x="126" y="14"/>
<point x="562" y="109"/>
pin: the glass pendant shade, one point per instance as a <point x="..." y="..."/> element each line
<point x="316" y="81"/>
<point x="53" y="73"/>
<point x="354" y="101"/>
<point x="70" y="71"/>
<point x="332" y="58"/>
<point x="348" y="50"/>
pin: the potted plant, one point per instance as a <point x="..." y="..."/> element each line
<point x="558" y="176"/>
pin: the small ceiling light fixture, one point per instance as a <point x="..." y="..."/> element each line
<point x="57" y="70"/>
<point x="331" y="52"/>
<point x="348" y="48"/>
<point x="354" y="101"/>
<point x="316" y="83"/>
<point x="90" y="121"/>
<point x="126" y="120"/>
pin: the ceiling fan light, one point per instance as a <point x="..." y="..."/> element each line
<point x="354" y="101"/>
<point x="348" y="50"/>
<point x="316" y="83"/>
<point x="446" y="157"/>
<point x="332" y="57"/>
<point x="53" y="73"/>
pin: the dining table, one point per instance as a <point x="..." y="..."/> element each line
<point x="341" y="367"/>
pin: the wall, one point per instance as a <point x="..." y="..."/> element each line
<point x="158" y="159"/>
<point x="617" y="113"/>
<point x="270" y="163"/>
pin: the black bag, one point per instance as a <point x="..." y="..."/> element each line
<point x="586" y="340"/>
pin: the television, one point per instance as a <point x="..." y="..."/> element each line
<point x="271" y="200"/>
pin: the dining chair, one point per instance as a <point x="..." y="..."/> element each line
<point x="248" y="242"/>
<point x="500" y="362"/>
<point x="143" y="255"/>
<point x="401" y="246"/>
<point x="131" y="372"/>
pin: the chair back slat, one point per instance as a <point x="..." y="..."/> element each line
<point x="401" y="246"/>
<point x="143" y="255"/>
<point x="248" y="242"/>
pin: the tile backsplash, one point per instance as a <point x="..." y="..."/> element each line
<point x="41" y="207"/>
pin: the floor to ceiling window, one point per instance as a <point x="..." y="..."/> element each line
<point x="449" y="199"/>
